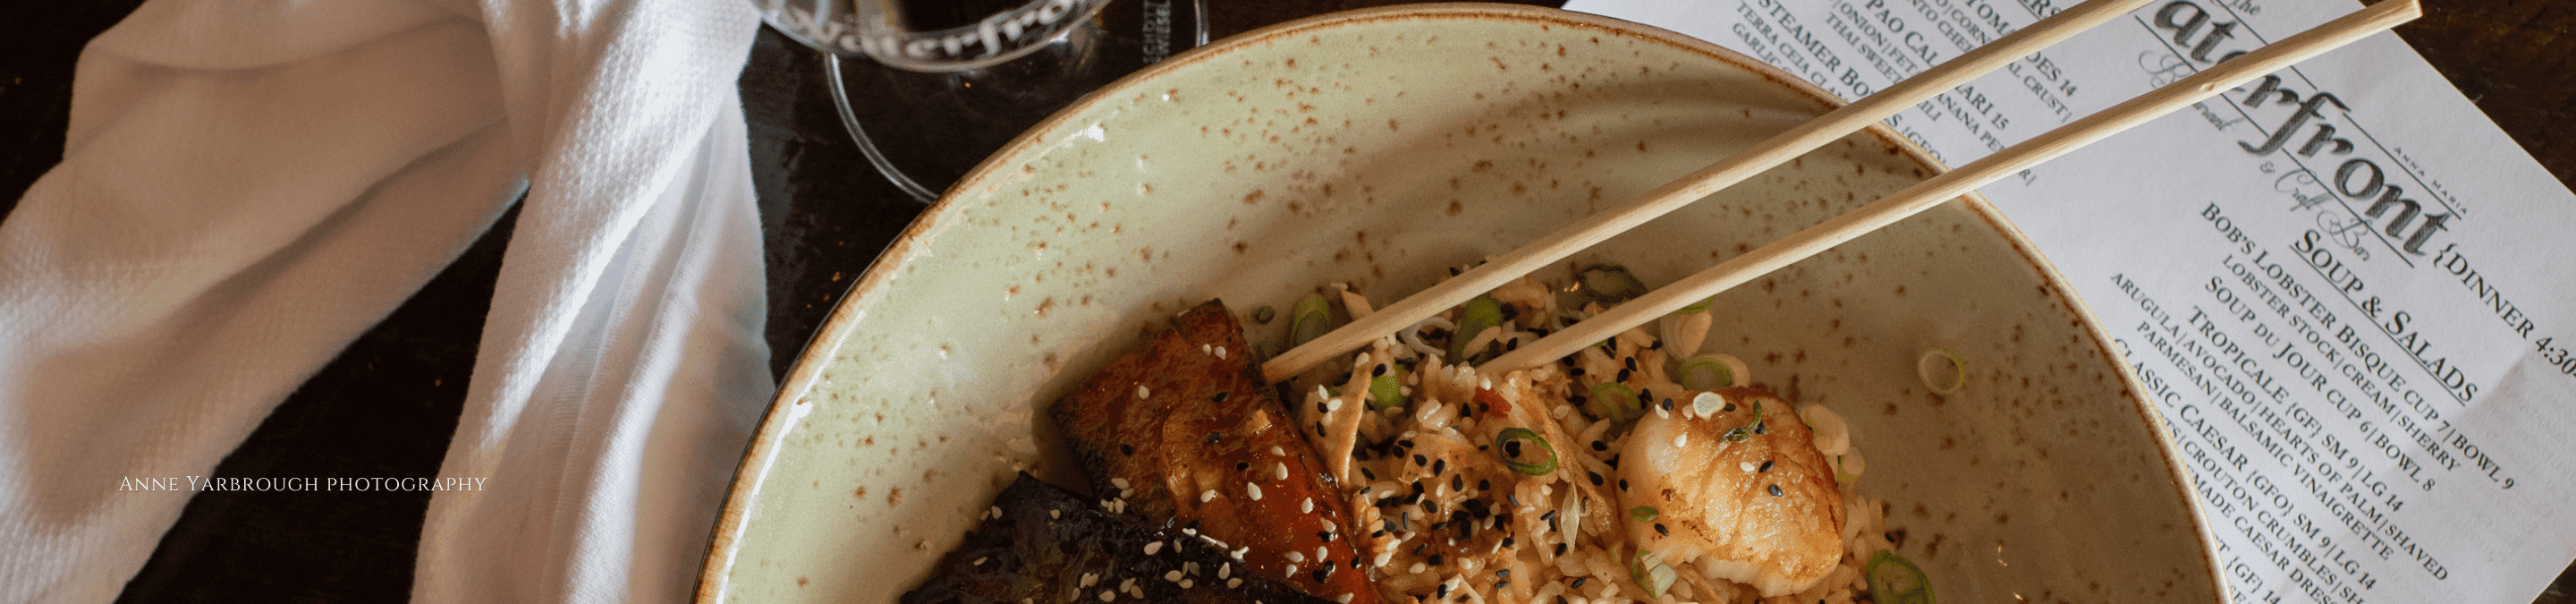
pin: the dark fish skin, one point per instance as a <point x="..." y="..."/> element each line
<point x="1047" y="538"/>
<point x="1198" y="439"/>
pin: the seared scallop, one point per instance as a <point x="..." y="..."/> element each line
<point x="1732" y="484"/>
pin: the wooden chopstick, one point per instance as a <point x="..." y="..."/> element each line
<point x="1735" y="271"/>
<point x="1765" y="155"/>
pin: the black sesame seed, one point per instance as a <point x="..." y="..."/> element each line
<point x="1658" y="345"/>
<point x="1355" y="562"/>
<point x="1379" y="370"/>
<point x="1729" y="407"/>
<point x="1435" y="560"/>
<point x="1220" y="396"/>
<point x="1444" y="590"/>
<point x="1499" y="585"/>
<point x="1766" y="466"/>
<point x="1612" y="342"/>
<point x="1668" y="403"/>
<point x="1549" y="517"/>
<point x="1213" y="436"/>
<point x="1660" y="530"/>
<point x="1457" y="482"/>
<point x="1242" y="465"/>
<point x="1126" y="449"/>
<point x="1596" y="478"/>
<point x="1485" y="485"/>
<point x="1624" y="374"/>
<point x="1560" y="549"/>
<point x="1600" y="445"/>
<point x="1406" y="443"/>
<point x="1512" y="448"/>
<point x="1322" y="573"/>
<point x="1327" y="536"/>
<point x="1507" y="542"/>
<point x="1576" y="372"/>
<point x="1613" y="462"/>
<point x="1510" y="498"/>
<point x="1365" y="473"/>
<point x="1775" y="490"/>
<point x="1419" y="460"/>
<point x="1578" y="582"/>
<point x="1631" y="362"/>
<point x="1320" y="408"/>
<point x="1623" y="484"/>
<point x="1439" y="466"/>
<point x="1761" y="427"/>
<point x="1377" y="533"/>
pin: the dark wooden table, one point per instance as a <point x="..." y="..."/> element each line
<point x="388" y="405"/>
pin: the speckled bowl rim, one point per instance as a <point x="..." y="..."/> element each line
<point x="824" y="347"/>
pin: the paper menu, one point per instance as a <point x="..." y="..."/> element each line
<point x="2344" y="286"/>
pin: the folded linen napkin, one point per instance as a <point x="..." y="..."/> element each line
<point x="248" y="185"/>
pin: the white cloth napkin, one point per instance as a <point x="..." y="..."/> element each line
<point x="250" y="184"/>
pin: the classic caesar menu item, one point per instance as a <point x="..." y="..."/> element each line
<point x="2343" y="287"/>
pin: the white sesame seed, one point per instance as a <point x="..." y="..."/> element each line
<point x="1332" y="405"/>
<point x="1173" y="576"/>
<point x="1186" y="583"/>
<point x="1152" y="548"/>
<point x="1224" y="569"/>
<point x="1055" y="513"/>
<point x="1279" y="471"/>
<point x="1681" y="440"/>
<point x="1143" y="392"/>
<point x="1275" y="450"/>
<point x="1306" y="506"/>
<point x="1108" y="596"/>
<point x="997" y="511"/>
<point x="1128" y="585"/>
<point x="1121" y="483"/>
<point x="980" y="561"/>
<point x="1207" y="496"/>
<point x="1295" y="556"/>
<point x="1417" y="568"/>
<point x="1319" y="553"/>
<point x="1660" y="413"/>
<point x="1232" y="583"/>
<point x="1220" y="352"/>
<point x="1345" y="599"/>
<point x="1382" y="559"/>
<point x="1252" y="490"/>
<point x="1238" y="553"/>
<point x="1330" y="527"/>
<point x="1292" y="571"/>
<point x="1088" y="579"/>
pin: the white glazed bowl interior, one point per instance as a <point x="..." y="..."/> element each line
<point x="1378" y="148"/>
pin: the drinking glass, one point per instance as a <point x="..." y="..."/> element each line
<point x="928" y="88"/>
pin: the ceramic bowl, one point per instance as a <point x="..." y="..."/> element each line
<point x="1378" y="148"/>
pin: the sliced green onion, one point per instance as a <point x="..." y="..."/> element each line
<point x="1941" y="370"/>
<point x="1739" y="433"/>
<point x="1541" y="468"/>
<point x="1896" y="580"/>
<point x="1610" y="283"/>
<point x="1387" y="390"/>
<point x="1704" y="373"/>
<point x="1309" y="319"/>
<point x="1481" y="313"/>
<point x="1264" y="314"/>
<point x="1644" y="513"/>
<point x="1650" y="572"/>
<point x="1613" y="400"/>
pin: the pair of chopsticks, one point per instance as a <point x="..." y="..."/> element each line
<point x="1807" y="137"/>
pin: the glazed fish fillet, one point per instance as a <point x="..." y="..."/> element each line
<point x="1041" y="544"/>
<point x="1183" y="432"/>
